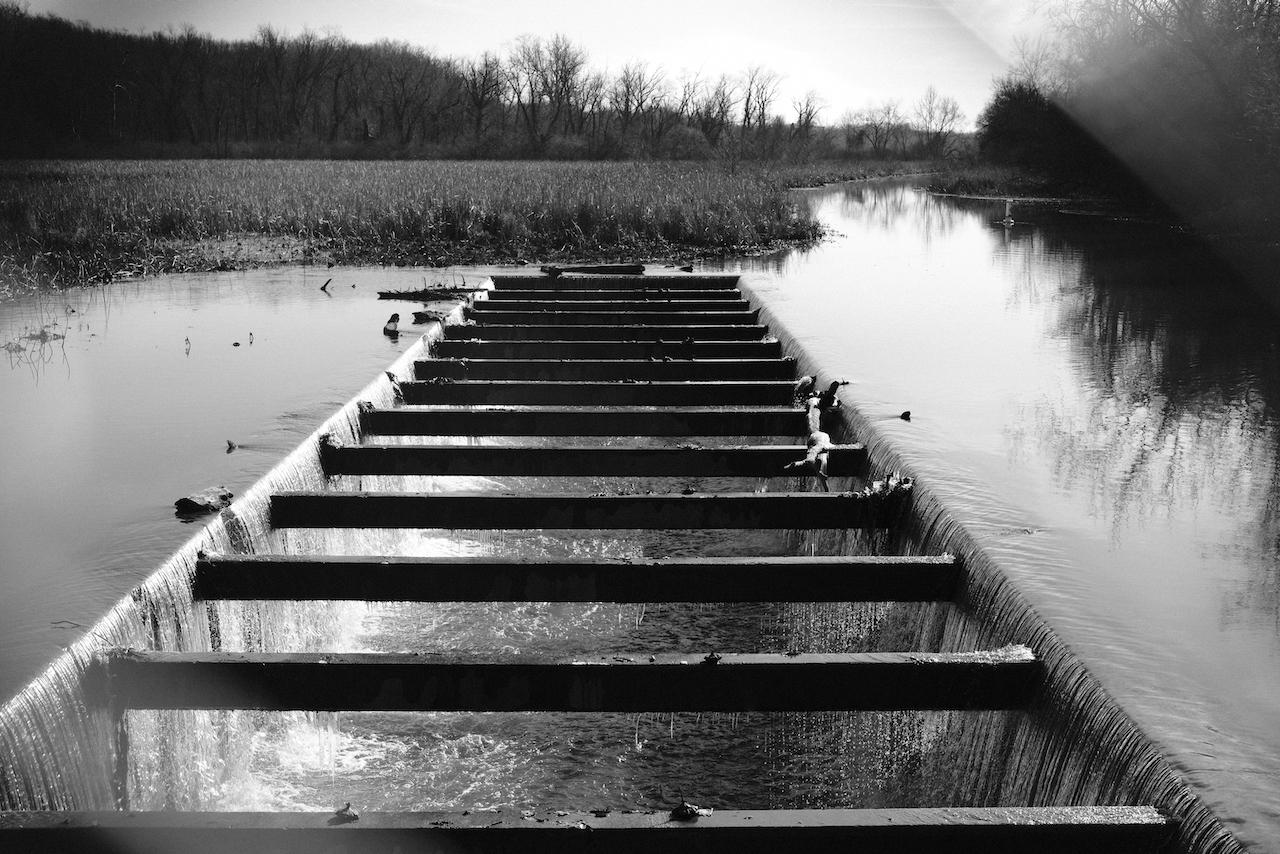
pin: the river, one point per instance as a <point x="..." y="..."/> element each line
<point x="1097" y="400"/>
<point x="1094" y="398"/>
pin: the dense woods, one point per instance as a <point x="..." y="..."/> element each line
<point x="71" y="90"/>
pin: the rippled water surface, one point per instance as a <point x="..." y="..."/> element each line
<point x="1097" y="400"/>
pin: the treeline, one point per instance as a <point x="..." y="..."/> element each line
<point x="71" y="90"/>
<point x="1180" y="96"/>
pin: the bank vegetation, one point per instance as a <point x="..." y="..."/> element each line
<point x="72" y="91"/>
<point x="126" y="155"/>
<point x="1177" y="101"/>
<point x="78" y="222"/>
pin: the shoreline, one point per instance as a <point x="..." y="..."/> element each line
<point x="213" y="256"/>
<point x="36" y="259"/>
<point x="67" y="223"/>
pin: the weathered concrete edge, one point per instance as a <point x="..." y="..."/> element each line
<point x="896" y="819"/>
<point x="1072" y="692"/>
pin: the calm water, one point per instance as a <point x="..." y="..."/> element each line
<point x="1098" y="402"/>
<point x="1095" y="399"/>
<point x="107" y="426"/>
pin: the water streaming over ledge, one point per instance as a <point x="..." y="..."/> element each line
<point x="241" y="760"/>
<point x="1076" y="748"/>
<point x="57" y="736"/>
<point x="1094" y="401"/>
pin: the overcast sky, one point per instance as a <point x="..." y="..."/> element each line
<point x="854" y="53"/>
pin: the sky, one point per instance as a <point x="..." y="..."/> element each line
<point x="853" y="53"/>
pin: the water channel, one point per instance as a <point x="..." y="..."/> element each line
<point x="1095" y="399"/>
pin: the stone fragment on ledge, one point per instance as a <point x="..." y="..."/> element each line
<point x="205" y="501"/>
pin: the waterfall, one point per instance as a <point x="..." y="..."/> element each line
<point x="63" y="747"/>
<point x="1076" y="745"/>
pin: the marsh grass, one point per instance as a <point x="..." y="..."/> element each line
<point x="984" y="179"/>
<point x="829" y="172"/>
<point x="75" y="222"/>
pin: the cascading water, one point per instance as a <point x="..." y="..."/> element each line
<point x="60" y="745"/>
<point x="240" y="760"/>
<point x="63" y="747"/>
<point x="1075" y="745"/>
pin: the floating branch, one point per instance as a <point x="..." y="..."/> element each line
<point x="428" y="294"/>
<point x="555" y="272"/>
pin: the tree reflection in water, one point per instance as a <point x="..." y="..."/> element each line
<point x="1180" y="371"/>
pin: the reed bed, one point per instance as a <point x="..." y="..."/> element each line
<point x="981" y="179"/>
<point x="823" y="172"/>
<point x="75" y="222"/>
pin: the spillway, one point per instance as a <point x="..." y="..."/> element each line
<point x="627" y="439"/>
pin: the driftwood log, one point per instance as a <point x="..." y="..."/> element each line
<point x="554" y="272"/>
<point x="428" y="294"/>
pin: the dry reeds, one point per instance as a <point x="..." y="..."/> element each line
<point x="73" y="222"/>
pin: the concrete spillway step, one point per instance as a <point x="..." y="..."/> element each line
<point x="488" y="579"/>
<point x="584" y="421"/>
<point x="583" y="461"/>
<point x="663" y="356"/>
<point x="639" y="682"/>
<point x="635" y="294"/>
<point x="578" y="281"/>
<point x="567" y="317"/>
<point x="954" y="830"/>
<point x="616" y="306"/>
<point x="495" y="510"/>
<point x="555" y="393"/>
<point x="605" y="369"/>
<point x="546" y="327"/>
<point x="607" y="349"/>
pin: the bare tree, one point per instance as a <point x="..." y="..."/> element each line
<point x="342" y="94"/>
<point x="545" y="80"/>
<point x="523" y="68"/>
<point x="759" y="90"/>
<point x="852" y="131"/>
<point x="414" y="88"/>
<point x="271" y="55"/>
<point x="883" y="127"/>
<point x="633" y="92"/>
<point x="482" y="83"/>
<point x="937" y="118"/>
<point x="563" y="78"/>
<point x="587" y="108"/>
<point x="686" y="96"/>
<point x="807" y="109"/>
<point x="713" y="108"/>
<point x="1037" y="63"/>
<point x="659" y="117"/>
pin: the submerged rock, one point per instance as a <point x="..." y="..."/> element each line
<point x="206" y="501"/>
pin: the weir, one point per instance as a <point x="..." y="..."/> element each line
<point x="673" y="427"/>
